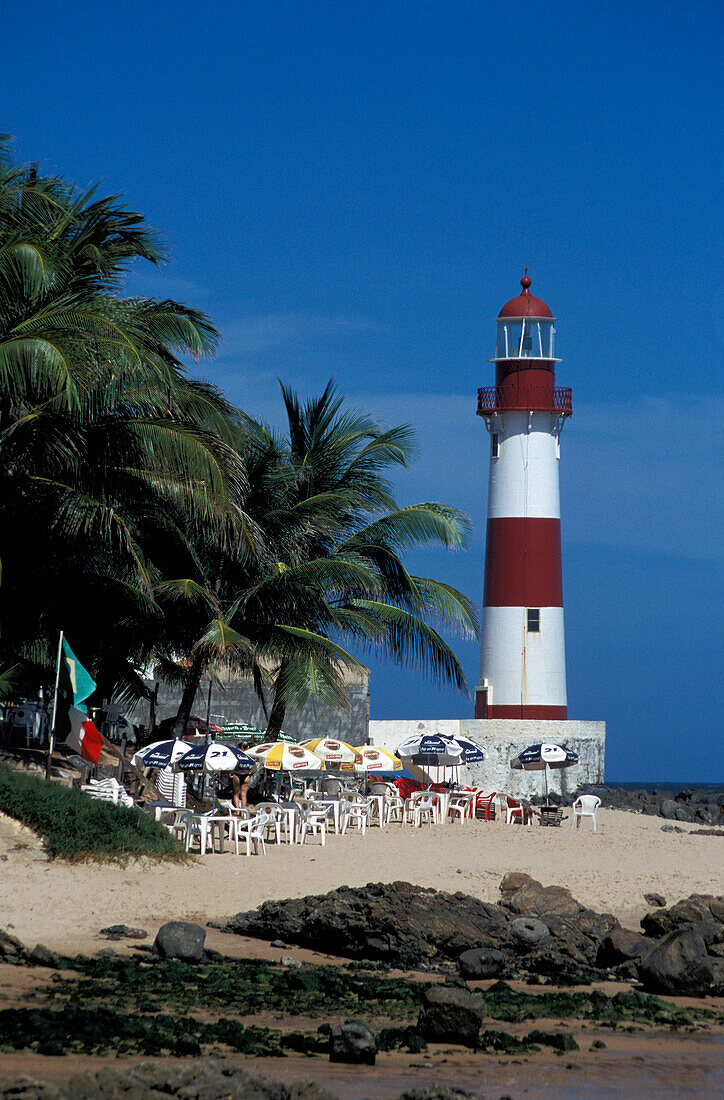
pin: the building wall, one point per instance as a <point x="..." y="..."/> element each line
<point x="239" y="703"/>
<point x="503" y="739"/>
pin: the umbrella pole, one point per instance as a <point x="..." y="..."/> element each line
<point x="545" y="769"/>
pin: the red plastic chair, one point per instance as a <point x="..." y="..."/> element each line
<point x="485" y="802"/>
<point x="517" y="811"/>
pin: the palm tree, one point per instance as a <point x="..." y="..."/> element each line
<point x="329" y="570"/>
<point x="107" y="449"/>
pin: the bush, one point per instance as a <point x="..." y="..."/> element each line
<point x="75" y="826"/>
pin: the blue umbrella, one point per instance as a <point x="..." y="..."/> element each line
<point x="539" y="758"/>
<point x="431" y="749"/>
<point x="215" y="757"/>
<point x="161" y="753"/>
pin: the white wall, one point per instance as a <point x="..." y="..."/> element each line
<point x="504" y="738"/>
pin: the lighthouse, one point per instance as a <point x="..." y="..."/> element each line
<point x="522" y="650"/>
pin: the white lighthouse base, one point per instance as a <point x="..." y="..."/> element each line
<point x="503" y="739"/>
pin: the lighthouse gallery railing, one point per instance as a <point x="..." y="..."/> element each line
<point x="494" y="399"/>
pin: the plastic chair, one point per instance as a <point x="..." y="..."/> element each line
<point x="486" y="803"/>
<point x="313" y="821"/>
<point x="458" y="807"/>
<point x="354" y="812"/>
<point x="423" y="805"/>
<point x="586" y="805"/>
<point x="252" y="832"/>
<point x="394" y="809"/>
<point x="517" y="811"/>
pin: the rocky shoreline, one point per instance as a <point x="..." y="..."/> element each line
<point x="696" y="807"/>
<point x="534" y="932"/>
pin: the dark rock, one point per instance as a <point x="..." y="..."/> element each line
<point x="717" y="977"/>
<point x="277" y="943"/>
<point x="527" y="897"/>
<point x="655" y="899"/>
<point x="43" y="956"/>
<point x="29" y="1088"/>
<point x="668" y="808"/>
<point x="481" y="962"/>
<point x="677" y="965"/>
<point x="450" y="1015"/>
<point x="672" y="829"/>
<point x="352" y="1042"/>
<point x="180" y="940"/>
<point x="621" y="946"/>
<point x="123" y="932"/>
<point x="695" y="910"/>
<point x="187" y="1045"/>
<point x="10" y="946"/>
<point x="528" y="932"/>
<point x="397" y="922"/>
<point x="201" y="1079"/>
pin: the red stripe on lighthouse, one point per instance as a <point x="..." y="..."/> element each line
<point x="523" y="563"/>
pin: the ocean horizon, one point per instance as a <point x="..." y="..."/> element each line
<point x="665" y="784"/>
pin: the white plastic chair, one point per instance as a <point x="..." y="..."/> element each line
<point x="355" y="812"/>
<point x="394" y="809"/>
<point x="586" y="805"/>
<point x="458" y="806"/>
<point x="424" y="806"/>
<point x="273" y="817"/>
<point x="252" y="832"/>
<point x="313" y="821"/>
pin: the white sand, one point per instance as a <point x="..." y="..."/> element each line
<point x="65" y="905"/>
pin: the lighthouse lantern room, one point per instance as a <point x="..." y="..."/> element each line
<point x="522" y="651"/>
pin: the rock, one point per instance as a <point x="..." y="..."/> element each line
<point x="481" y="962"/>
<point x="29" y="1088"/>
<point x="291" y="962"/>
<point x="528" y="932"/>
<point x="187" y="1045"/>
<point x="655" y="899"/>
<point x="397" y="922"/>
<point x="695" y="910"/>
<point x="621" y="946"/>
<point x="180" y="940"/>
<point x="277" y="943"/>
<point x="200" y="1079"/>
<point x="10" y="946"/>
<point x="677" y="965"/>
<point x="353" y="1042"/>
<point x="450" y="1015"/>
<point x="42" y="956"/>
<point x="672" y="829"/>
<point x="717" y="977"/>
<point x="528" y="897"/>
<point x="123" y="932"/>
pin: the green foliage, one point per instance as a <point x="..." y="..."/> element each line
<point x="76" y="827"/>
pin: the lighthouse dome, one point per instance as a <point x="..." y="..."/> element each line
<point x="526" y="304"/>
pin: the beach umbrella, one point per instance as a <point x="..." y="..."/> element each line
<point x="336" y="753"/>
<point x="472" y="752"/>
<point x="279" y="756"/>
<point x="252" y="735"/>
<point x="160" y="754"/>
<point x="431" y="750"/>
<point x="373" y="759"/>
<point x="539" y="758"/>
<point x="214" y="757"/>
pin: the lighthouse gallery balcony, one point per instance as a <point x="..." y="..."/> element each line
<point x="493" y="399"/>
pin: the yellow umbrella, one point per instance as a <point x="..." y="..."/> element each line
<point x="279" y="756"/>
<point x="337" y="753"/>
<point x="372" y="759"/>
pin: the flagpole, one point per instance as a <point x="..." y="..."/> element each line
<point x="51" y="743"/>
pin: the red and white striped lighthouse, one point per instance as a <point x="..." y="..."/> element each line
<point x="522" y="650"/>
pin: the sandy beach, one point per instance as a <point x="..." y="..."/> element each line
<point x="65" y="905"/>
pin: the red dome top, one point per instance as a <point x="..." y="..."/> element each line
<point x="525" y="305"/>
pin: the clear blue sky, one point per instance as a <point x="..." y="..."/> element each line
<point x="352" y="190"/>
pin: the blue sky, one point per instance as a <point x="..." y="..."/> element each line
<point x="351" y="190"/>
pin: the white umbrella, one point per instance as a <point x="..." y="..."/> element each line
<point x="539" y="758"/>
<point x="160" y="754"/>
<point x="372" y="759"/>
<point x="331" y="751"/>
<point x="280" y="756"/>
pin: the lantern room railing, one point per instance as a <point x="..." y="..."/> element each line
<point x="495" y="399"/>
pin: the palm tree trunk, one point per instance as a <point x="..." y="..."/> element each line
<point x="189" y="694"/>
<point x="276" y="718"/>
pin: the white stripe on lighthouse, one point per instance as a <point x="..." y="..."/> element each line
<point x="523" y="668"/>
<point x="524" y="478"/>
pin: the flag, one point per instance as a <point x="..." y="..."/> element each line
<point x="72" y="723"/>
<point x="83" y="736"/>
<point x="81" y="680"/>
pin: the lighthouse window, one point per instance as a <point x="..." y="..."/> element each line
<point x="494" y="445"/>
<point x="533" y="614"/>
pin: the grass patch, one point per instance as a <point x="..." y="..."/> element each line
<point x="76" y="827"/>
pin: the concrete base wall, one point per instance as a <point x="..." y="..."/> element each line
<point x="503" y="739"/>
<point x="239" y="703"/>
